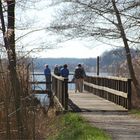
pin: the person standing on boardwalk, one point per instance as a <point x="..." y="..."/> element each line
<point x="56" y="70"/>
<point x="47" y="73"/>
<point x="64" y="72"/>
<point x="79" y="76"/>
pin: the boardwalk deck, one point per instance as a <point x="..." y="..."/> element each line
<point x="108" y="116"/>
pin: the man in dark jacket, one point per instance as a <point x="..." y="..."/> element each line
<point x="64" y="72"/>
<point x="47" y="73"/>
<point x="79" y="76"/>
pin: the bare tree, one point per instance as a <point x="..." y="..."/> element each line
<point x="115" y="22"/>
<point x="9" y="40"/>
<point x="9" y="44"/>
<point x="98" y="19"/>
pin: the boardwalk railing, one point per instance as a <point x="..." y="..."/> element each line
<point x="115" y="89"/>
<point x="36" y="83"/>
<point x="60" y="90"/>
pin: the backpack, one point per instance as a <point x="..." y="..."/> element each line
<point x="56" y="71"/>
<point x="79" y="73"/>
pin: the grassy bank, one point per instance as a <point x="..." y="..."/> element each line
<point x="73" y="127"/>
<point x="135" y="112"/>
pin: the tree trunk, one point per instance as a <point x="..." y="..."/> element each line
<point x="127" y="49"/>
<point x="9" y="42"/>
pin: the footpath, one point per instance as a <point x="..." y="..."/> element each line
<point x="106" y="115"/>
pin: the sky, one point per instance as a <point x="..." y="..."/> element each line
<point x="73" y="49"/>
<point x="69" y="49"/>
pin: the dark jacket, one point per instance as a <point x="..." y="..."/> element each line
<point x="79" y="73"/>
<point x="64" y="72"/>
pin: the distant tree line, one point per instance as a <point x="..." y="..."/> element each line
<point x="107" y="59"/>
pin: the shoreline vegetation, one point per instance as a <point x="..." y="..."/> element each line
<point x="72" y="126"/>
<point x="135" y="113"/>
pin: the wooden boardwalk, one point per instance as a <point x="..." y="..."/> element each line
<point x="112" y="118"/>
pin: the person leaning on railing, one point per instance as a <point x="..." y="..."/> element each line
<point x="64" y="72"/>
<point x="57" y="70"/>
<point x="47" y="73"/>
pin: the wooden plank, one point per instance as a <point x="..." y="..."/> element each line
<point x="58" y="77"/>
<point x="39" y="91"/>
<point x="56" y="100"/>
<point x="90" y="102"/>
<point x="110" y="117"/>
<point x="38" y="82"/>
<point x="115" y="92"/>
<point x="71" y="73"/>
<point x="111" y="77"/>
<point x="36" y="73"/>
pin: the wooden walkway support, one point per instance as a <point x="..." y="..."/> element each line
<point x="99" y="112"/>
<point x="60" y="90"/>
<point x="115" y="89"/>
<point x="36" y="83"/>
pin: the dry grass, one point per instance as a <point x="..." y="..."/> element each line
<point x="8" y="120"/>
<point x="45" y="125"/>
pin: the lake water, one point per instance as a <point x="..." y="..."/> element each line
<point x="44" y="100"/>
<point x="43" y="86"/>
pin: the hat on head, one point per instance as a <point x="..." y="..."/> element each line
<point x="79" y="65"/>
<point x="46" y="65"/>
<point x="65" y="66"/>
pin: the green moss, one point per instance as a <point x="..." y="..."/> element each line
<point x="135" y="112"/>
<point x="74" y="127"/>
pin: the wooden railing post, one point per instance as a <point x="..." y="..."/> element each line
<point x="129" y="93"/>
<point x="60" y="90"/>
<point x="97" y="65"/>
<point x="66" y="93"/>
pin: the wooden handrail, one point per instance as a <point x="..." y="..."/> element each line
<point x="60" y="90"/>
<point x="115" y="89"/>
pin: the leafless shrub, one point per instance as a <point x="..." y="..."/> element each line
<point x="122" y="70"/>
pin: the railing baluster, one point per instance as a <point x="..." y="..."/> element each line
<point x="61" y="91"/>
<point x="115" y="89"/>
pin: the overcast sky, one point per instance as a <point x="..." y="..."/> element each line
<point x="73" y="49"/>
<point x="42" y="17"/>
